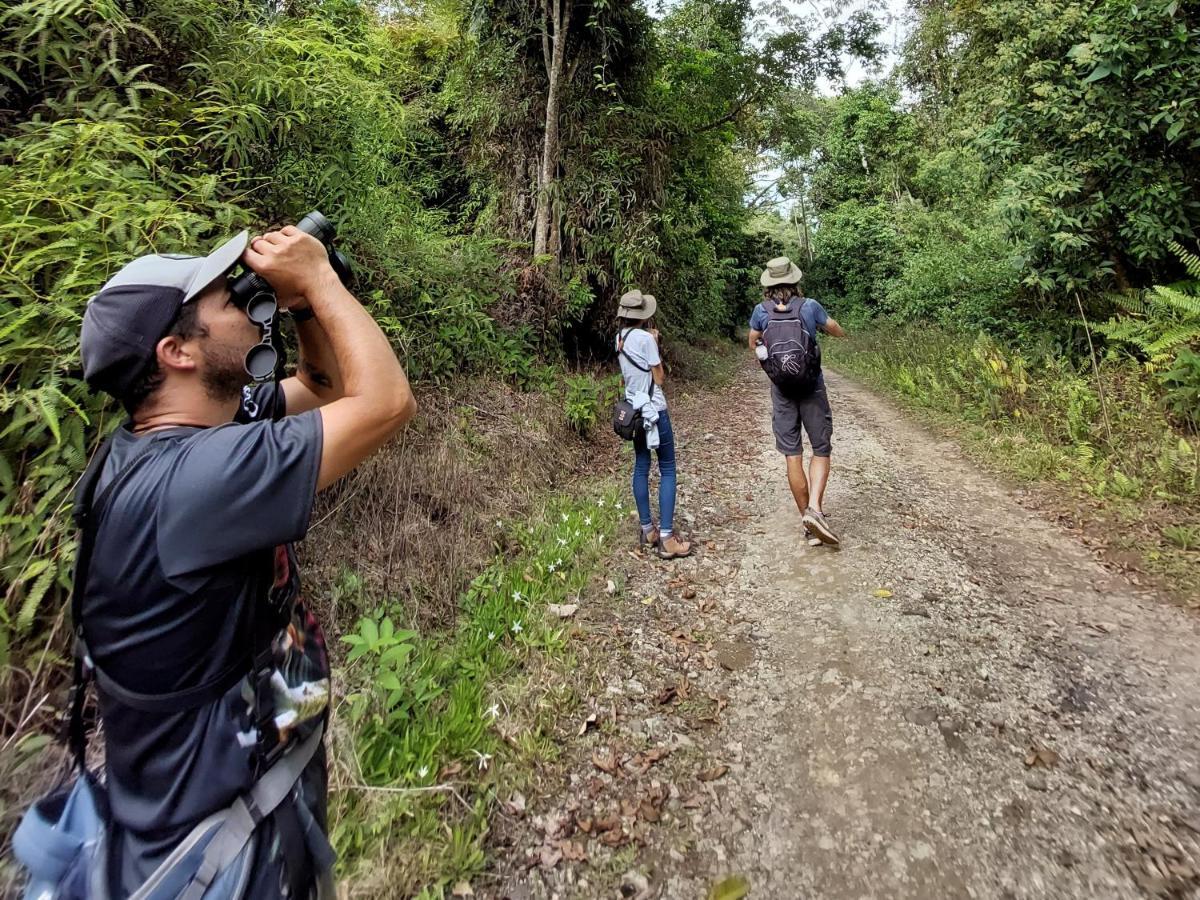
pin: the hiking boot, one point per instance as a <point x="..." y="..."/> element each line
<point x="816" y="524"/>
<point x="647" y="540"/>
<point x="672" y="547"/>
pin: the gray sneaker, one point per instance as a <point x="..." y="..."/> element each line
<point x="813" y="540"/>
<point x="816" y="524"/>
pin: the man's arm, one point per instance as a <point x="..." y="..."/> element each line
<point x="831" y="327"/>
<point x="376" y="397"/>
<point x="317" y="380"/>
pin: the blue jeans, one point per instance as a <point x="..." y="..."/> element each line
<point x="666" y="471"/>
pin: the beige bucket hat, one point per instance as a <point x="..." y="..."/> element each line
<point x="636" y="305"/>
<point x="780" y="270"/>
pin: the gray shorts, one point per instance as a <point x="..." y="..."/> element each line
<point x="787" y="415"/>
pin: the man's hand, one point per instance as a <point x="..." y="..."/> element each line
<point x="294" y="263"/>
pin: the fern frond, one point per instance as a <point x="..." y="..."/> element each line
<point x="1177" y="300"/>
<point x="1190" y="260"/>
<point x="1174" y="337"/>
<point x="1131" y="302"/>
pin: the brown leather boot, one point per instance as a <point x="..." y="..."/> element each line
<point x="648" y="540"/>
<point x="672" y="547"/>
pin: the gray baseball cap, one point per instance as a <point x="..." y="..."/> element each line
<point x="127" y="317"/>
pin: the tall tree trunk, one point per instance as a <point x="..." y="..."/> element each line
<point x="556" y="21"/>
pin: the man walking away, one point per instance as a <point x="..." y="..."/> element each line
<point x="783" y="335"/>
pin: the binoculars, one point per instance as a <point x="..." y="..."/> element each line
<point x="252" y="293"/>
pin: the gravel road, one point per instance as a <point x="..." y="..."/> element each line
<point x="960" y="702"/>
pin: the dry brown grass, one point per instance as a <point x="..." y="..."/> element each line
<point x="418" y="521"/>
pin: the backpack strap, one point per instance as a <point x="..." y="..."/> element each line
<point x="86" y="513"/>
<point x="247" y="812"/>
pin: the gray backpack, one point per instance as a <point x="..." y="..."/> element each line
<point x="793" y="360"/>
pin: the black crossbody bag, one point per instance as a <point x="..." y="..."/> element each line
<point x="627" y="421"/>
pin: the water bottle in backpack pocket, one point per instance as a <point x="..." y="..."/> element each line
<point x="793" y="358"/>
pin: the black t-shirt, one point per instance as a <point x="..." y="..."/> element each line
<point x="195" y="534"/>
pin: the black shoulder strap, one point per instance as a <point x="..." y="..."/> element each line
<point x="86" y="513"/>
<point x="74" y="726"/>
<point x="621" y="350"/>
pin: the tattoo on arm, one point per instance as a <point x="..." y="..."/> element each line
<point x="316" y="375"/>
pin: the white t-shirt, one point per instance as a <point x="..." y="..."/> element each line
<point x="643" y="350"/>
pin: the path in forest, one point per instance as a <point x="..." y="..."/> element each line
<point x="961" y="702"/>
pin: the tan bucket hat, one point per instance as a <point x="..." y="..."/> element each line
<point x="636" y="305"/>
<point x="780" y="270"/>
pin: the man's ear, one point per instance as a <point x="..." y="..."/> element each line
<point x="174" y="352"/>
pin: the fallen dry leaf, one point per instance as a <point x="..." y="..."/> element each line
<point x="585" y="825"/>
<point x="648" y="811"/>
<point x="689" y="593"/>
<point x="589" y="723"/>
<point x="714" y="773"/>
<point x="515" y="806"/>
<point x="642" y="762"/>
<point x="549" y="857"/>
<point x="883" y="593"/>
<point x="563" y="610"/>
<point x="462" y="889"/>
<point x="605" y="759"/>
<point x="451" y="770"/>
<point x="606" y="823"/>
<point x="614" y="838"/>
<point x="666" y="695"/>
<point x="1041" y="756"/>
<point x="572" y="851"/>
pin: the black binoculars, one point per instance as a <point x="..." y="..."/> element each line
<point x="255" y="295"/>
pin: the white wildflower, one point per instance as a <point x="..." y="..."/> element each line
<point x="484" y="759"/>
<point x="423" y="771"/>
<point x="491" y="635"/>
<point x="493" y="711"/>
<point x="517" y="629"/>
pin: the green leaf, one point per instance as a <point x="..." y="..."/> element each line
<point x="735" y="887"/>
<point x="370" y="632"/>
<point x="396" y="654"/>
<point x="389" y="681"/>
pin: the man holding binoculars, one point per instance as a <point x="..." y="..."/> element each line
<point x="209" y="670"/>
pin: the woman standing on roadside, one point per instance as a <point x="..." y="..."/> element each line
<point x="642" y="369"/>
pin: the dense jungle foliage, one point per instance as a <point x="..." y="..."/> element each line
<point x="421" y="130"/>
<point x="1010" y="222"/>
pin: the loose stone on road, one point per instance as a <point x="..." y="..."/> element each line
<point x="960" y="702"/>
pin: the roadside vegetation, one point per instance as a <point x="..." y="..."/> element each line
<point x="1008" y="223"/>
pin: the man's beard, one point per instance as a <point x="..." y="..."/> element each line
<point x="224" y="373"/>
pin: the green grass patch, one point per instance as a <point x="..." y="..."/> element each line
<point x="1108" y="438"/>
<point x="435" y="729"/>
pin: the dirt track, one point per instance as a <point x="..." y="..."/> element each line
<point x="959" y="703"/>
